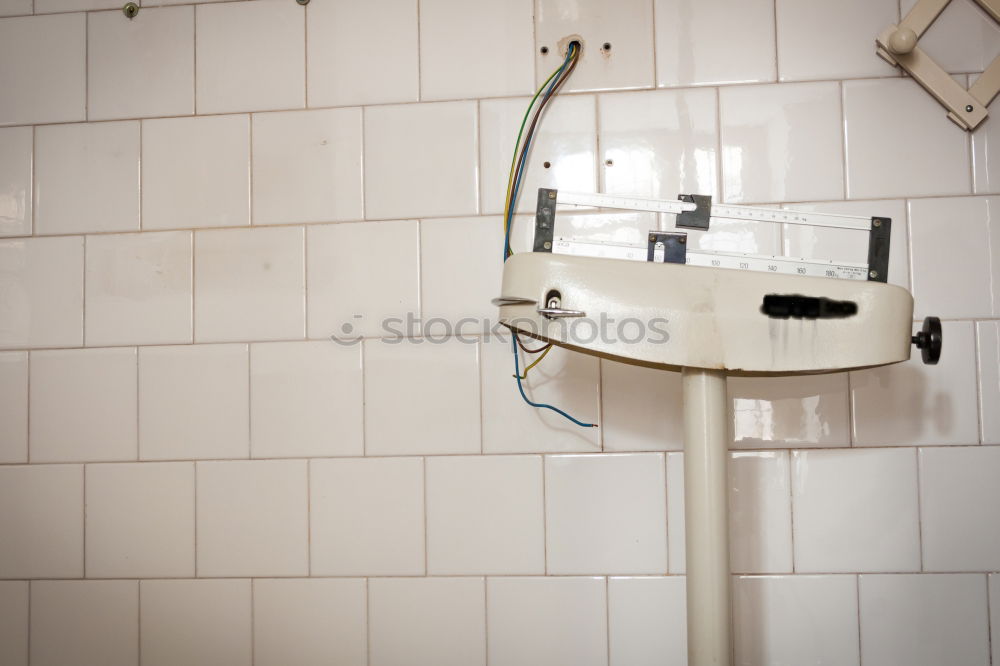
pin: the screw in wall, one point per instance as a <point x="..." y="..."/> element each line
<point x="130" y="10"/>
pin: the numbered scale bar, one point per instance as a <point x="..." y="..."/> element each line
<point x="733" y="260"/>
<point x="725" y="211"/>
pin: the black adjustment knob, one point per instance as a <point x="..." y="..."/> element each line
<point x="928" y="340"/>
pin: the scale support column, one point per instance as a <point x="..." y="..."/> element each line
<point x="706" y="500"/>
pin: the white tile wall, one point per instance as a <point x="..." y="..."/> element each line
<point x="250" y="56"/>
<point x="83" y="405"/>
<point x="796" y="620"/>
<point x="557" y="620"/>
<point x="413" y="111"/>
<point x="15" y="181"/>
<point x="403" y="633"/>
<point x="420" y="160"/>
<point x="310" y="622"/>
<point x="704" y="43"/>
<point x="139" y="288"/>
<point x="485" y="515"/>
<point x="196" y="622"/>
<point x="85" y="622"/>
<point x="923" y="619"/>
<point x="251" y="284"/>
<point x="307" y="166"/>
<point x="87" y="178"/>
<point x="14" y="603"/>
<point x="42" y="295"/>
<point x="342" y="34"/>
<point x="13" y="407"/>
<point x="606" y="514"/>
<point x="140" y="520"/>
<point x="855" y="510"/>
<point x="646" y="621"/>
<point x="140" y="67"/>
<point x="494" y="39"/>
<point x="958" y="501"/>
<point x="43" y="69"/>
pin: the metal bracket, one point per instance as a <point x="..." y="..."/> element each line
<point x="545" y="219"/>
<point x="878" y="249"/>
<point x="897" y="45"/>
<point x="699" y="217"/>
<point x="674" y="247"/>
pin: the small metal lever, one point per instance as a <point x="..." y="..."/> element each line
<point x="560" y="313"/>
<point x="512" y="300"/>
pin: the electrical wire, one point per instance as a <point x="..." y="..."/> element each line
<point x="541" y="405"/>
<point x="551" y="87"/>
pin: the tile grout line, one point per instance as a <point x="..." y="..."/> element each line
<point x="138" y="620"/>
<point x="194" y="468"/>
<point x="607" y="618"/>
<point x="857" y="595"/>
<point x="980" y="415"/>
<point x="305" y="56"/>
<point x="420" y="62"/>
<point x="486" y="622"/>
<point x="545" y="520"/>
<point x="918" y="461"/>
<point x="27" y="434"/>
<point x="791" y="503"/>
<point x="368" y="621"/>
<point x="989" y="622"/>
<point x="309" y="566"/>
<point x="253" y="622"/>
<point x="194" y="60"/>
<point x="28" y="637"/>
<point x="83" y="526"/>
<point x="845" y="173"/>
<point x="34" y="180"/>
<point x="249" y="357"/>
<point x="777" y="60"/>
<point x="423" y="464"/>
<point x="482" y="397"/>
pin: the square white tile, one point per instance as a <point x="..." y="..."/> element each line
<point x="606" y="513"/>
<point x="141" y="68"/>
<point x="912" y="404"/>
<point x="83" y="405"/>
<point x="924" y="620"/>
<point x="43" y="72"/>
<point x="962" y="39"/>
<point x="457" y="286"/>
<point x="15" y="7"/>
<point x="809" y="242"/>
<point x="253" y="518"/>
<point x="958" y="502"/>
<point x="641" y="408"/>
<point x="16" y="167"/>
<point x="431" y="382"/>
<point x="988" y="354"/>
<point x="625" y="26"/>
<point x="43" y="522"/>
<point x="194" y="402"/>
<point x="427" y="621"/>
<point x="485" y="515"/>
<point x="659" y="143"/>
<point x="310" y="622"/>
<point x="367" y="517"/>
<point x="881" y="117"/>
<point x="958" y="238"/>
<point x="420" y="160"/>
<point x="566" y="379"/>
<point x="647" y="621"/>
<point x="307" y="166"/>
<point x="53" y="6"/>
<point x="139" y="288"/>
<point x="781" y="143"/>
<point x="306" y="399"/>
<point x="760" y="522"/>
<point x="341" y="36"/>
<point x="705" y="43"/>
<point x="794" y="411"/>
<point x="250" y="284"/>
<point x="14" y="602"/>
<point x="42" y="292"/>
<point x="13" y="407"/>
<point x="566" y="140"/>
<point x="559" y="620"/>
<point x="196" y="622"/>
<point x="855" y="510"/>
<point x="87" y="178"/>
<point x="844" y="47"/>
<point x="84" y="622"/>
<point x="250" y="57"/>
<point x="343" y="300"/>
<point x="140" y="520"/>
<point x="796" y="620"/>
<point x="196" y="172"/>
<point x="495" y="43"/>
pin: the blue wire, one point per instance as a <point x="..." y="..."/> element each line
<point x="527" y="145"/>
<point x="517" y="375"/>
